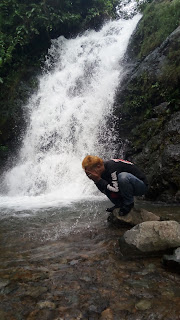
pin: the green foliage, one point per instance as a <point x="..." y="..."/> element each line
<point x="21" y="22"/>
<point x="160" y="18"/>
<point x="99" y="6"/>
<point x="3" y="148"/>
<point x="25" y="25"/>
<point x="142" y="96"/>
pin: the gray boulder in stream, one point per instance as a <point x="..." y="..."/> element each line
<point x="150" y="237"/>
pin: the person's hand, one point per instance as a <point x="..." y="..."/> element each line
<point x="93" y="175"/>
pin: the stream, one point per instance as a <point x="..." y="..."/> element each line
<point x="65" y="264"/>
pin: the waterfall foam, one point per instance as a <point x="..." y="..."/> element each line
<point x="68" y="118"/>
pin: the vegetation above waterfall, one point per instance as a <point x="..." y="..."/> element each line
<point x="160" y="18"/>
<point x="24" y="23"/>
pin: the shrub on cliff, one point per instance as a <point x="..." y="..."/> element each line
<point x="160" y="18"/>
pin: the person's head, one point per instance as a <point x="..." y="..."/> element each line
<point x="93" y="163"/>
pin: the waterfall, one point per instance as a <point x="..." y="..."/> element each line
<point x="67" y="118"/>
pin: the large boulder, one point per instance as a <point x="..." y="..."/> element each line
<point x="150" y="237"/>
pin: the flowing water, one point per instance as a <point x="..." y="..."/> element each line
<point x="59" y="259"/>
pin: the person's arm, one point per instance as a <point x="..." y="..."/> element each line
<point x="102" y="185"/>
<point x="105" y="187"/>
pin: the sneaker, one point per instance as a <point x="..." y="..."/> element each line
<point x="126" y="209"/>
<point x="112" y="208"/>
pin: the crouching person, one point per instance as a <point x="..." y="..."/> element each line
<point x="119" y="179"/>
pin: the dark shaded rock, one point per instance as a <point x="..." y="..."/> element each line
<point x="161" y="109"/>
<point x="3" y="315"/>
<point x="172" y="262"/>
<point x="154" y="62"/>
<point x="13" y="112"/>
<point x="173" y="126"/>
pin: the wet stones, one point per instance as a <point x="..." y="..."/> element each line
<point x="3" y="284"/>
<point x="35" y="292"/>
<point x="3" y="315"/>
<point x="143" y="305"/>
<point x="107" y="315"/>
<point x="46" y="304"/>
<point x="44" y="314"/>
<point x="91" y="282"/>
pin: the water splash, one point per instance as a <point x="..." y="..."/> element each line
<point x="68" y="118"/>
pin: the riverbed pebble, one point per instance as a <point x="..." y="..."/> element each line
<point x="143" y="305"/>
<point x="46" y="304"/>
<point x="35" y="292"/>
<point x="107" y="314"/>
<point x="3" y="283"/>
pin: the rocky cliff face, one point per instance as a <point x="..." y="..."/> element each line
<point x="148" y="106"/>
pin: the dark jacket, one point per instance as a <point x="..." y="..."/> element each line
<point x="108" y="183"/>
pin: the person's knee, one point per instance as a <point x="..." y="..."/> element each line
<point x="123" y="177"/>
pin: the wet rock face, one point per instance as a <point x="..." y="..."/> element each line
<point x="151" y="236"/>
<point x="161" y="158"/>
<point x="147" y="104"/>
<point x="155" y="62"/>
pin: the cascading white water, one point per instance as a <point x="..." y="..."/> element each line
<point x="68" y="118"/>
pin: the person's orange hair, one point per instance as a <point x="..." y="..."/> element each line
<point x="91" y="161"/>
